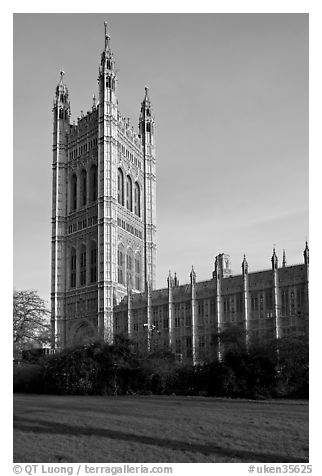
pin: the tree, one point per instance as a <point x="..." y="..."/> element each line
<point x="31" y="325"/>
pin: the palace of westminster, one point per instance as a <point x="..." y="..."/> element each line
<point x="104" y="246"/>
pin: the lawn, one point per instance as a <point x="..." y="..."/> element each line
<point x="153" y="429"/>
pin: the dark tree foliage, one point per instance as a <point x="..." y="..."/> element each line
<point x="262" y="371"/>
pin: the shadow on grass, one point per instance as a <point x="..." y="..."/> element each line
<point x="46" y="427"/>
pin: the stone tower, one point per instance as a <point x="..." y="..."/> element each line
<point x="103" y="210"/>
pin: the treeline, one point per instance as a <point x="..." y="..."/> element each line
<point x="261" y="371"/>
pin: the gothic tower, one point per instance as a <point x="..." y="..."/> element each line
<point x="104" y="227"/>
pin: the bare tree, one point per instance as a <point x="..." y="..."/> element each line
<point x="31" y="324"/>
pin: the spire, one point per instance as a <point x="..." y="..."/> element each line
<point x="61" y="102"/>
<point x="146" y="111"/>
<point x="107" y="55"/>
<point x="170" y="281"/>
<point x="274" y="260"/>
<point x="244" y="266"/>
<point x="94" y="103"/>
<point x="284" y="259"/>
<point x="107" y="38"/>
<point x="306" y="254"/>
<point x="146" y="99"/>
<point x="193" y="276"/>
<point x="61" y="89"/>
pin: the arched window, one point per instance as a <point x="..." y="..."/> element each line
<point x="121" y="265"/>
<point x="93" y="262"/>
<point x="138" y="270"/>
<point x="73" y="268"/>
<point x="93" y="183"/>
<point x="83" y="188"/>
<point x="120" y="187"/>
<point x="83" y="265"/>
<point x="73" y="194"/>
<point x="137" y="198"/>
<point x="128" y="193"/>
<point x="129" y="268"/>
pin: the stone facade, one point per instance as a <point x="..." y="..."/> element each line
<point x="103" y="210"/>
<point x="186" y="319"/>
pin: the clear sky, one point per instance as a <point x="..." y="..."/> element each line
<point x="230" y="97"/>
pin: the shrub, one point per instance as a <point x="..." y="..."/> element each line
<point x="28" y="378"/>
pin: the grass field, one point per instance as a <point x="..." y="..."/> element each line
<point x="153" y="429"/>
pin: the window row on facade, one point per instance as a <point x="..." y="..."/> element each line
<point x="78" y="151"/>
<point x="128" y="194"/>
<point x="82" y="224"/>
<point x="129" y="155"/>
<point x="83" y="265"/>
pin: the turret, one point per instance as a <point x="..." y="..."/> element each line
<point x="284" y="260"/>
<point x="61" y="101"/>
<point x="107" y="70"/>
<point x="217" y="276"/>
<point x="107" y="191"/>
<point x="194" y="323"/>
<point x="146" y="132"/>
<point x="306" y="263"/>
<point x="170" y="311"/>
<point x="306" y="254"/>
<point x="274" y="260"/>
<point x="61" y="126"/>
<point x="246" y="298"/>
<point x="276" y="296"/>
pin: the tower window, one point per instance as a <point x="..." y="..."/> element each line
<point x="83" y="266"/>
<point x="129" y="193"/>
<point x="138" y="271"/>
<point x="93" y="263"/>
<point x="84" y="187"/>
<point x="121" y="267"/>
<point x="137" y="207"/>
<point x="93" y="183"/>
<point x="73" y="193"/>
<point x="73" y="268"/>
<point x="120" y="187"/>
<point x="148" y="127"/>
<point x="129" y="266"/>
